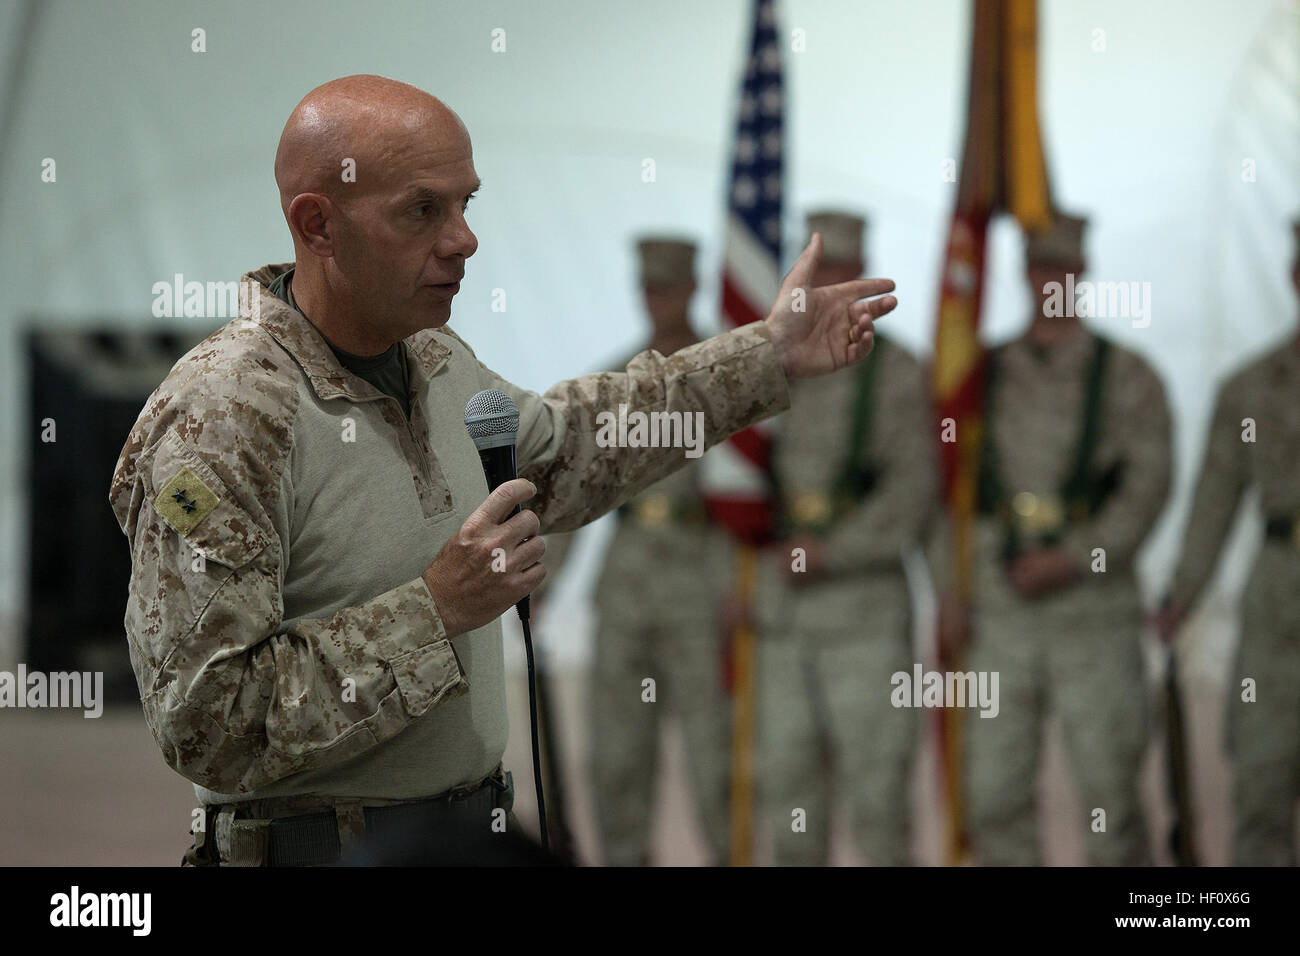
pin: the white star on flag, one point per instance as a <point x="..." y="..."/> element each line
<point x="746" y="192"/>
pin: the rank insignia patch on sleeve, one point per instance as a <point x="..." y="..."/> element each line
<point x="185" y="501"/>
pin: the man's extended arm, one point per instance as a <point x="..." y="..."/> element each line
<point x="731" y="381"/>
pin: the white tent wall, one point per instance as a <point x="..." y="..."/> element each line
<point x="164" y="166"/>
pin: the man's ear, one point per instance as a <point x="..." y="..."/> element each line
<point x="310" y="218"/>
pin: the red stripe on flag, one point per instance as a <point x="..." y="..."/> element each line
<point x="749" y="519"/>
<point x="751" y="443"/>
<point x="734" y="305"/>
<point x="754" y="445"/>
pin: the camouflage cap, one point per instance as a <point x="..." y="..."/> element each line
<point x="841" y="234"/>
<point x="666" y="261"/>
<point x="1061" y="242"/>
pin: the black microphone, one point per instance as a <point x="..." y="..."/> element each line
<point x="492" y="419"/>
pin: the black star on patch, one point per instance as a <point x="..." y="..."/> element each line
<point x="183" y="500"/>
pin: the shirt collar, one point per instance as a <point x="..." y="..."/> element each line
<point x="304" y="342"/>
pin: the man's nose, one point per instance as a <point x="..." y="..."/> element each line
<point x="459" y="240"/>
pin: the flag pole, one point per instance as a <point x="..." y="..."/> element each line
<point x="738" y="489"/>
<point x="1002" y="169"/>
<point x="742" y="659"/>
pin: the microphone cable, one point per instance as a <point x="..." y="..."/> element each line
<point x="522" y="609"/>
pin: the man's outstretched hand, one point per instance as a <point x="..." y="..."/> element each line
<point x="819" y="330"/>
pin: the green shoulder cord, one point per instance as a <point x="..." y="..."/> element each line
<point x="859" y="475"/>
<point x="1082" y="495"/>
<point x="990" y="498"/>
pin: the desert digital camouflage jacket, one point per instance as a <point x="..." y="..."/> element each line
<point x="280" y="512"/>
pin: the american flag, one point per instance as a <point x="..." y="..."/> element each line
<point x="734" y="473"/>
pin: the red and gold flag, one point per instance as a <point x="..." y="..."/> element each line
<point x="1002" y="170"/>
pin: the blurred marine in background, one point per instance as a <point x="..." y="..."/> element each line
<point x="1255" y="442"/>
<point x="657" y="601"/>
<point x="1074" y="471"/>
<point x="856" y="477"/>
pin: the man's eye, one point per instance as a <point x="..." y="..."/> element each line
<point x="422" y="209"/>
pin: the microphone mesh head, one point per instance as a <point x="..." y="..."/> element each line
<point x="491" y="413"/>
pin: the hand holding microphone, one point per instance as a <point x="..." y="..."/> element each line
<point x="463" y="579"/>
<point x="492" y="562"/>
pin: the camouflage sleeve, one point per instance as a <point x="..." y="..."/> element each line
<point x="896" y="513"/>
<point x="726" y="383"/>
<point x="1139" y="415"/>
<point x="235" y="696"/>
<point x="1218" y="495"/>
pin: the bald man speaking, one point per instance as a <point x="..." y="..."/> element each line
<point x="314" y="606"/>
